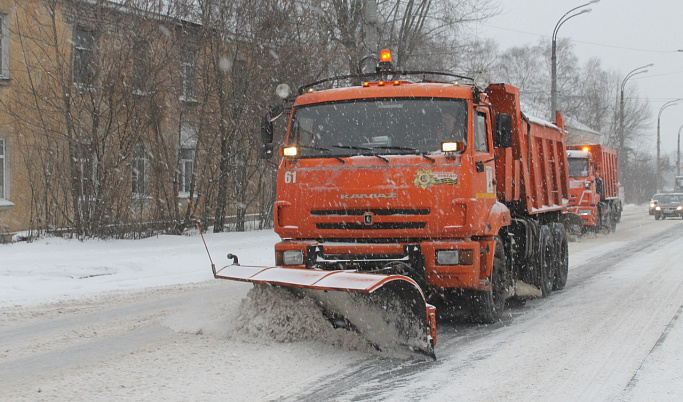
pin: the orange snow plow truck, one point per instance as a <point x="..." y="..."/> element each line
<point x="398" y="194"/>
<point x="594" y="186"/>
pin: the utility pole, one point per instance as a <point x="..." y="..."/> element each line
<point x="370" y="26"/>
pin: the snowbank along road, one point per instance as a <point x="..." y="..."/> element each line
<point x="614" y="333"/>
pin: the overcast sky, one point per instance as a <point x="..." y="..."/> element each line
<point x="623" y="34"/>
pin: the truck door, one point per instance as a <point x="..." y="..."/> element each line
<point x="483" y="156"/>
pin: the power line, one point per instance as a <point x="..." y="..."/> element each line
<point x="584" y="42"/>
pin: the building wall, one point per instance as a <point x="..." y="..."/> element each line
<point x="46" y="144"/>
<point x="35" y="130"/>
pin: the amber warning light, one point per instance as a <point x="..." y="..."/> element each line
<point x="385" y="56"/>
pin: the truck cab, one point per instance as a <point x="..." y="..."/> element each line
<point x="400" y="172"/>
<point x="583" y="186"/>
<point x="678" y="184"/>
<point x="594" y="186"/>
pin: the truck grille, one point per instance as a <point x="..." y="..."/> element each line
<point x="378" y="212"/>
<point x="378" y="225"/>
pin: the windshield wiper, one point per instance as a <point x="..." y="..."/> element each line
<point x="323" y="150"/>
<point x="410" y="150"/>
<point x="356" y="148"/>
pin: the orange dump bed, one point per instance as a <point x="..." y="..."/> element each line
<point x="533" y="173"/>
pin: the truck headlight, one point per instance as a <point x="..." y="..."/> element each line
<point x="680" y="208"/>
<point x="448" y="257"/>
<point x="652" y="205"/>
<point x="658" y="208"/>
<point x="454" y="257"/>
<point x="584" y="212"/>
<point x="293" y="257"/>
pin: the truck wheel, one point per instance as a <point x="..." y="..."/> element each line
<point x="487" y="306"/>
<point x="562" y="255"/>
<point x="656" y="217"/>
<point x="606" y="224"/>
<point x="545" y="275"/>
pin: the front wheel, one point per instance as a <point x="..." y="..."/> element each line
<point x="657" y="217"/>
<point x="487" y="306"/>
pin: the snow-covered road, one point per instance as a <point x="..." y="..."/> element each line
<point x="614" y="333"/>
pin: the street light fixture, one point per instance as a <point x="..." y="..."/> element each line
<point x="565" y="18"/>
<point x="635" y="71"/>
<point x="659" y="117"/>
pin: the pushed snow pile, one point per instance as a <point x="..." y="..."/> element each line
<point x="273" y="313"/>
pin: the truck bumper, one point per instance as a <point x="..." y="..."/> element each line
<point x="466" y="266"/>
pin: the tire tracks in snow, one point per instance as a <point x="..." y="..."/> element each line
<point x="373" y="377"/>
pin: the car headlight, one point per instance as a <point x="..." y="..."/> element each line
<point x="652" y="205"/>
<point x="293" y="257"/>
<point x="680" y="208"/>
<point x="658" y="208"/>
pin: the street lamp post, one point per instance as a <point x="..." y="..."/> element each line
<point x="659" y="117"/>
<point x="678" y="153"/>
<point x="553" y="57"/>
<point x="633" y="72"/>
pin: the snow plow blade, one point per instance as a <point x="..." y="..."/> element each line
<point x="389" y="311"/>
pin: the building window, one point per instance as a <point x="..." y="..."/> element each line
<point x="4" y="46"/>
<point x="188" y="144"/>
<point x="139" y="171"/>
<point x="86" y="159"/>
<point x="3" y="170"/>
<point x="186" y="169"/>
<point x="188" y="76"/>
<point x="239" y="79"/>
<point x="84" y="56"/>
<point x="140" y="68"/>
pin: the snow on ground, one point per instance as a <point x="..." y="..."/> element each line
<point x="52" y="269"/>
<point x="213" y="336"/>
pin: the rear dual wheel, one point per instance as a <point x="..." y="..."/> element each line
<point x="561" y="255"/>
<point x="545" y="274"/>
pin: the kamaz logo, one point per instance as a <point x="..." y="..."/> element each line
<point x="369" y="196"/>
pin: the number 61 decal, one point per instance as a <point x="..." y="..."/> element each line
<point x="290" y="177"/>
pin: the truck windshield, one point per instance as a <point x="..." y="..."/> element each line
<point x="378" y="126"/>
<point x="578" y="167"/>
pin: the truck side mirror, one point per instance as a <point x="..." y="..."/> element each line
<point x="267" y="130"/>
<point x="267" y="123"/>
<point x="502" y="137"/>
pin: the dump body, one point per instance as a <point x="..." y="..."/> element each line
<point x="594" y="185"/>
<point x="533" y="172"/>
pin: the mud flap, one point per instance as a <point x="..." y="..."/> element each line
<point x="389" y="311"/>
